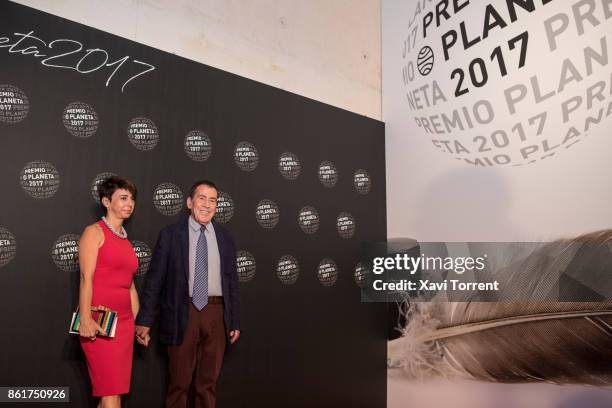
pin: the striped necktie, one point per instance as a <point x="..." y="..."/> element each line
<point x="200" y="278"/>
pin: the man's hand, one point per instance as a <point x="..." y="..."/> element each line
<point x="234" y="334"/>
<point x="143" y="335"/>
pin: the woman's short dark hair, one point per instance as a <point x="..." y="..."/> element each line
<point x="199" y="183"/>
<point x="108" y="187"/>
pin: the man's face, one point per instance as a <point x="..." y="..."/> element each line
<point x="203" y="204"/>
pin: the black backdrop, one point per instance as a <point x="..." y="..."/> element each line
<point x="304" y="344"/>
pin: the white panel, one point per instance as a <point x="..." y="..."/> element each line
<point x="437" y="195"/>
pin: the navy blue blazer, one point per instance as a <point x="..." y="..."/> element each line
<point x="165" y="292"/>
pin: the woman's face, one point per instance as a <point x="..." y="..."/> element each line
<point x="121" y="204"/>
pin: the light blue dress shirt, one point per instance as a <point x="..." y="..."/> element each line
<point x="214" y="260"/>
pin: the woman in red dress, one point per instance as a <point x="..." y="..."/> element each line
<point x="108" y="264"/>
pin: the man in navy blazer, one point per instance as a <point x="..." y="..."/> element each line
<point x="192" y="286"/>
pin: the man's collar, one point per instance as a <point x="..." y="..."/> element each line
<point x="196" y="226"/>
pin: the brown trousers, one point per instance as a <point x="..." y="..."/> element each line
<point x="201" y="352"/>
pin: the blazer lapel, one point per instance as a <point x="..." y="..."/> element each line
<point x="184" y="246"/>
<point x="220" y="245"/>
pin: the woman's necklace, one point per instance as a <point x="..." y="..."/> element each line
<point x="122" y="234"/>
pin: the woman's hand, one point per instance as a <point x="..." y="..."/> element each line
<point x="89" y="328"/>
<point x="143" y="335"/>
<point x="88" y="252"/>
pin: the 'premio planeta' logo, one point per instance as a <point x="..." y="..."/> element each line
<point x="288" y="270"/>
<point x="143" y="253"/>
<point x="362" y="275"/>
<point x="289" y="165"/>
<point x="198" y="145"/>
<point x="246" y="156"/>
<point x="328" y="175"/>
<point x="65" y="252"/>
<point x="143" y="134"/>
<point x="80" y="119"/>
<point x="345" y="224"/>
<point x="39" y="179"/>
<point x="225" y="208"/>
<point x="8" y="246"/>
<point x="362" y="181"/>
<point x="246" y="266"/>
<point x="168" y="199"/>
<point x="267" y="214"/>
<point x="327" y="272"/>
<point x="308" y="218"/>
<point x="515" y="82"/>
<point x="14" y="104"/>
<point x="96" y="182"/>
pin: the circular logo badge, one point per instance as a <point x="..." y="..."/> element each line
<point x="327" y="272"/>
<point x="65" y="252"/>
<point x="328" y="175"/>
<point x="288" y="270"/>
<point x="345" y="225"/>
<point x="143" y="134"/>
<point x="39" y="179"/>
<point x="14" y="104"/>
<point x="225" y="208"/>
<point x="362" y="181"/>
<point x="425" y="60"/>
<point x="8" y="246"/>
<point x="308" y="218"/>
<point x="96" y="182"/>
<point x="510" y="102"/>
<point x="245" y="263"/>
<point x="198" y="145"/>
<point x="143" y="253"/>
<point x="168" y="199"/>
<point x="267" y="214"/>
<point x="289" y="165"/>
<point x="362" y="275"/>
<point x="246" y="156"/>
<point x="80" y="119"/>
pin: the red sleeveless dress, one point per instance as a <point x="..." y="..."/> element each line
<point x="109" y="360"/>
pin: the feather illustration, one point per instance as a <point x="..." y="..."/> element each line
<point x="536" y="336"/>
